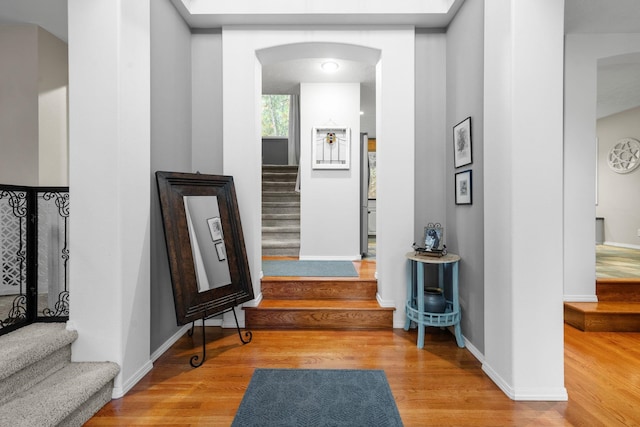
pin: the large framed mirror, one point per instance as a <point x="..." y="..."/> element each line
<point x="205" y="244"/>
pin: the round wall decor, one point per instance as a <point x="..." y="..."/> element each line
<point x="624" y="157"/>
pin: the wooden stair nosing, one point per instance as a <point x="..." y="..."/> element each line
<point x="319" y="288"/>
<point x="316" y="318"/>
<point x="603" y="316"/>
<point x="618" y="289"/>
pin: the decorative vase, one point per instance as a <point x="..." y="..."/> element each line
<point x="434" y="301"/>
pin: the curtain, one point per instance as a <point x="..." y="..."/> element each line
<point x="294" y="134"/>
<point x="294" y="129"/>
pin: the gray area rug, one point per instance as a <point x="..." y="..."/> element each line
<point x="309" y="268"/>
<point x="318" y="397"/>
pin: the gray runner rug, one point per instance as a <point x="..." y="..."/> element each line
<point x="309" y="268"/>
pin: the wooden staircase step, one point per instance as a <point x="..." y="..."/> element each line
<point x="318" y="289"/>
<point x="606" y="316"/>
<point x="616" y="289"/>
<point x="318" y="314"/>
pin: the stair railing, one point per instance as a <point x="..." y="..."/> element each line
<point x="34" y="252"/>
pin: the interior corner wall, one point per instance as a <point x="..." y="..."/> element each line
<point x="582" y="52"/>
<point x="19" y="105"/>
<point x="431" y="131"/>
<point x="53" y="87"/>
<point x="618" y="193"/>
<point x="464" y="224"/>
<point x="330" y="198"/>
<point x="170" y="147"/>
<point x="206" y="60"/>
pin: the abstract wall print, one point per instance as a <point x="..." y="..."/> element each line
<point x="463" y="188"/>
<point x="331" y="147"/>
<point x="462" y="153"/>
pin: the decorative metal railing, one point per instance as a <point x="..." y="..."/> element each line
<point x="34" y="252"/>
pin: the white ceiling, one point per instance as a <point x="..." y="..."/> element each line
<point x="618" y="79"/>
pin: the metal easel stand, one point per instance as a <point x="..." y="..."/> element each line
<point x="195" y="358"/>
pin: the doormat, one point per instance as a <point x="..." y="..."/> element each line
<point x="318" y="397"/>
<point x="309" y="268"/>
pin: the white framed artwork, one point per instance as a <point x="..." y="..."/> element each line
<point x="331" y="147"/>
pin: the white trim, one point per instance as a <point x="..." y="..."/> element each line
<point x="385" y="303"/>
<point x="254" y="302"/>
<point x="119" y="392"/>
<point x="473" y="350"/>
<point x="528" y="394"/>
<point x="168" y="343"/>
<point x="622" y="245"/>
<point x="330" y="258"/>
<point x="580" y="298"/>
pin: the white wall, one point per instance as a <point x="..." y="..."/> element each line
<point x="109" y="174"/>
<point x="523" y="166"/>
<point x="618" y="194"/>
<point x="329" y="199"/>
<point x="395" y="138"/>
<point x="582" y="52"/>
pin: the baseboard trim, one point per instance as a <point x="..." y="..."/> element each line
<point x="622" y="245"/>
<point x="168" y="343"/>
<point x="119" y="392"/>
<point x="330" y="258"/>
<point x="473" y="350"/>
<point x="526" y="394"/>
<point x="580" y="298"/>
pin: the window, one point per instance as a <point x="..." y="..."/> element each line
<point x="275" y="115"/>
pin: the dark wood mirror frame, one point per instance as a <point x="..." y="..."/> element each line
<point x="191" y="304"/>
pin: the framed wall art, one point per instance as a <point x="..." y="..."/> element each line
<point x="463" y="188"/>
<point x="331" y="147"/>
<point x="462" y="149"/>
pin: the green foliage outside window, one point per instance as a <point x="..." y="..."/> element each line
<point x="275" y="115"/>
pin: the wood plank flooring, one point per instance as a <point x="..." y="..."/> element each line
<point x="440" y="385"/>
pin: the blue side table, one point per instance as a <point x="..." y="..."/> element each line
<point x="415" y="295"/>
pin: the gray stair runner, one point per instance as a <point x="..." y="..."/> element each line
<point x="40" y="386"/>
<point x="280" y="211"/>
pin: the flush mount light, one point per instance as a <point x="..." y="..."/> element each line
<point x="330" y="66"/>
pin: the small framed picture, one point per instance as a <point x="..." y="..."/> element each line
<point x="222" y="254"/>
<point x="215" y="228"/>
<point x="433" y="237"/>
<point x="462" y="143"/>
<point x="463" y="188"/>
<point x="331" y="148"/>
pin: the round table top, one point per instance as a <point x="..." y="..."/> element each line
<point x="446" y="259"/>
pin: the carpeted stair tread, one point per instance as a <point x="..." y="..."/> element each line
<point x="281" y="229"/>
<point x="58" y="396"/>
<point x="28" y="345"/>
<point x="281" y="216"/>
<point x="282" y="243"/>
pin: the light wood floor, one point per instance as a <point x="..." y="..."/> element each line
<point x="440" y="385"/>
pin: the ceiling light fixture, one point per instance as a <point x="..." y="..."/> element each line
<point x="330" y="66"/>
